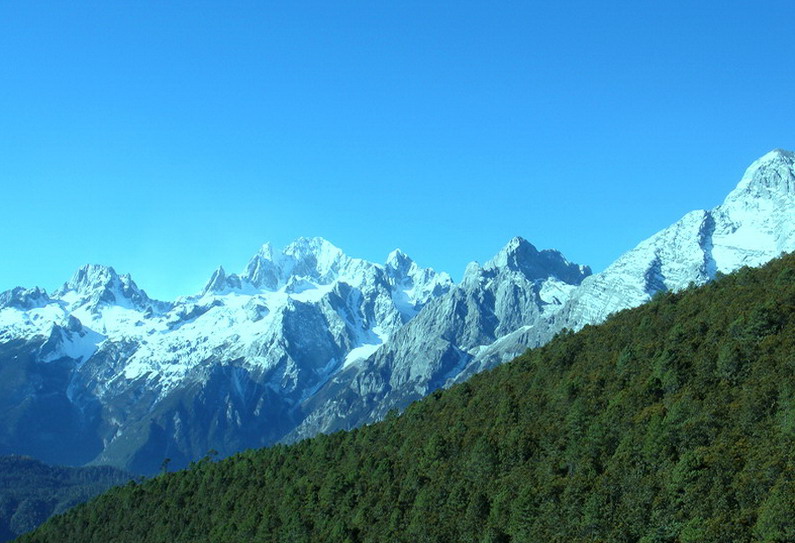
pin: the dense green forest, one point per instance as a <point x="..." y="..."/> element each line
<point x="672" y="422"/>
<point x="31" y="491"/>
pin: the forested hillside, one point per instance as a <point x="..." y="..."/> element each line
<point x="671" y="422"/>
<point x="31" y="491"/>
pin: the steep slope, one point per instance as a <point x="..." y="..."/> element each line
<point x="132" y="380"/>
<point x="755" y="223"/>
<point x="31" y="492"/>
<point x="674" y="421"/>
<point x="309" y="340"/>
<point x="499" y="311"/>
<point x="519" y="286"/>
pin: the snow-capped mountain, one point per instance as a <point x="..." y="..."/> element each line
<point x="522" y="298"/>
<point x="519" y="286"/>
<point x="236" y="359"/>
<point x="308" y="339"/>
<point x="754" y="224"/>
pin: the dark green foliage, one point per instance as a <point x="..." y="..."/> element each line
<point x="31" y="492"/>
<point x="673" y="422"/>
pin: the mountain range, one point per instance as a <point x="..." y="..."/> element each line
<point x="523" y="297"/>
<point x="308" y="340"/>
<point x="673" y="422"/>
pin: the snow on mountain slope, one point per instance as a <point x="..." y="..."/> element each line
<point x="491" y="318"/>
<point x="242" y="316"/>
<point x="519" y="286"/>
<point x="755" y="223"/>
<point x="288" y="322"/>
<point x="308" y="339"/>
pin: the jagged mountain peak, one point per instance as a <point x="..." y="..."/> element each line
<point x="95" y="284"/>
<point x="771" y="177"/>
<point x="753" y="225"/>
<point x="399" y="262"/>
<point x="315" y="249"/>
<point x="398" y="256"/>
<point x="777" y="154"/>
<point x="413" y="286"/>
<point x="315" y="258"/>
<point x="522" y="256"/>
<point x="516" y="250"/>
<point x="266" y="251"/>
<point x="262" y="271"/>
<point x="91" y="279"/>
<point x="220" y="282"/>
<point x="315" y="245"/>
<point x="321" y="262"/>
<point x="216" y="282"/>
<point x="90" y="276"/>
<point x="24" y="298"/>
<point x="401" y="267"/>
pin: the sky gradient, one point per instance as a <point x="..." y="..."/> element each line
<point x="164" y="139"/>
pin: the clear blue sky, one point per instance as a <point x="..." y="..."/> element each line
<point x="166" y="138"/>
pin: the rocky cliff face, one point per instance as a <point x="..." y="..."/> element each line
<point x="520" y="286"/>
<point x="523" y="297"/>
